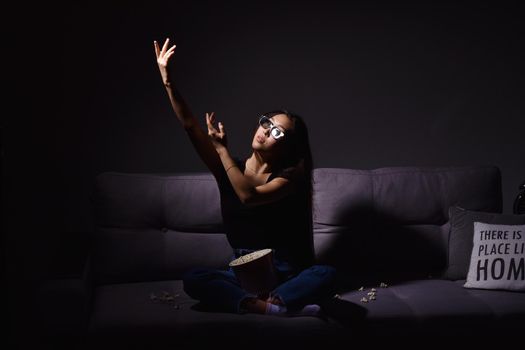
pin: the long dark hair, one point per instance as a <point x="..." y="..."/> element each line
<point x="299" y="153"/>
<point x="298" y="160"/>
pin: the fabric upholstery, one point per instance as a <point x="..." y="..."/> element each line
<point x="132" y="255"/>
<point x="384" y="225"/>
<point x="394" y="221"/>
<point x="422" y="307"/>
<point x="124" y="311"/>
<point x="439" y="307"/>
<point x="403" y="195"/>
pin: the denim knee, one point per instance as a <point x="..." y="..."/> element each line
<point x="327" y="273"/>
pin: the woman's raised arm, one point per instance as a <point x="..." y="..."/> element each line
<point x="196" y="133"/>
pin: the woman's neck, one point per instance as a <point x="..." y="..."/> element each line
<point x="257" y="164"/>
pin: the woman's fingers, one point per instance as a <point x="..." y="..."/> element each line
<point x="209" y="123"/>
<point x="207" y="120"/>
<point x="157" y="50"/>
<point x="217" y="137"/>
<point x="165" y="46"/>
<point x="210" y="118"/>
<point x="167" y="57"/>
<point x="171" y="49"/>
<point x="164" y="53"/>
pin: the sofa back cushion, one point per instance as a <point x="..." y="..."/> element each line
<point x="392" y="223"/>
<point x="154" y="227"/>
<point x="185" y="202"/>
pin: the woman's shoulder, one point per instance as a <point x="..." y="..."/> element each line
<point x="295" y="173"/>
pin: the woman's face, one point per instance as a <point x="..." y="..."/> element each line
<point x="263" y="141"/>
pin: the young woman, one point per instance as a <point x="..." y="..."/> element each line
<point x="265" y="202"/>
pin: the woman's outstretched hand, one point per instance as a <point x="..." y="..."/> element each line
<point x="218" y="137"/>
<point x="163" y="57"/>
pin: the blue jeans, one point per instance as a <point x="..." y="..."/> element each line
<point x="220" y="289"/>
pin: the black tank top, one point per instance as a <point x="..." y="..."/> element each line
<point x="284" y="225"/>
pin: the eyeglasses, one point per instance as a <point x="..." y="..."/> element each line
<point x="266" y="123"/>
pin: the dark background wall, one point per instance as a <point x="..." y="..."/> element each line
<point x="379" y="85"/>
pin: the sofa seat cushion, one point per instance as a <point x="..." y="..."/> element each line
<point x="506" y="306"/>
<point x="125" y="312"/>
<point x="439" y="306"/>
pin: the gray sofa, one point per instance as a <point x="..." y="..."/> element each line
<point x="387" y="226"/>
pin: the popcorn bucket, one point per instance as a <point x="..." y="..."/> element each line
<point x="255" y="271"/>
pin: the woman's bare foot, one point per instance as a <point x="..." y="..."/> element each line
<point x="274" y="300"/>
<point x="254" y="305"/>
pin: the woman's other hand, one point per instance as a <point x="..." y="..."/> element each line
<point x="218" y="137"/>
<point x="163" y="57"/>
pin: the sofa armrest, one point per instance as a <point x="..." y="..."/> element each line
<point x="64" y="304"/>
